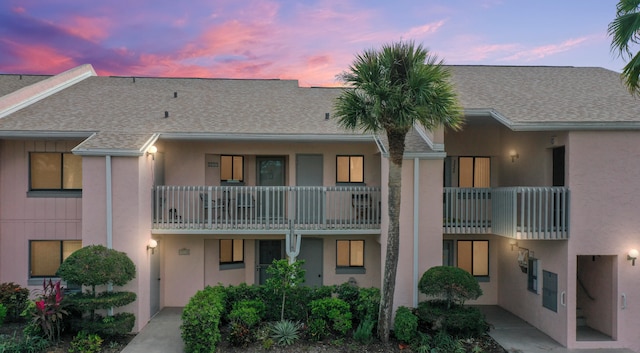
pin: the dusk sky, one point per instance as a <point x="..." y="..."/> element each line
<point x="311" y="41"/>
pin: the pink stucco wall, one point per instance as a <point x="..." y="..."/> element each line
<point x="25" y="218"/>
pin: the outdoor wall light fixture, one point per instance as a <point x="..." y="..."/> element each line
<point x="632" y="256"/>
<point x="514" y="155"/>
<point x="513" y="243"/>
<point x="152" y="152"/>
<point x="152" y="245"/>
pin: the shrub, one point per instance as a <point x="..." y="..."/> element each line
<point x="242" y="292"/>
<point x="28" y="343"/>
<point x="452" y="284"/>
<point x="245" y="315"/>
<point x="3" y="314"/>
<point x="367" y="304"/>
<point x="285" y="332"/>
<point x="84" y="342"/>
<point x="405" y="326"/>
<point x="50" y="310"/>
<point x="96" y="265"/>
<point x="15" y="299"/>
<point x="364" y="332"/>
<point x="334" y="311"/>
<point x="458" y="321"/>
<point x="200" y="329"/>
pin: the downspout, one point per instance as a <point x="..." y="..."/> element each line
<point x="293" y="250"/>
<point x="109" y="215"/>
<point x="416" y="227"/>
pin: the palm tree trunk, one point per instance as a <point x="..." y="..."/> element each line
<point x="396" y="151"/>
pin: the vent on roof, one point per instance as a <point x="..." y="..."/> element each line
<point x="175" y="94"/>
<point x="166" y="114"/>
<point x="326" y="116"/>
<point x="134" y="79"/>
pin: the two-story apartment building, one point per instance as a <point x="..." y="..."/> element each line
<point x="206" y="181"/>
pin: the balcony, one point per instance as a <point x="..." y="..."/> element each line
<point x="265" y="209"/>
<point x="514" y="212"/>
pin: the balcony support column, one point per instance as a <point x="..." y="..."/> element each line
<point x="416" y="228"/>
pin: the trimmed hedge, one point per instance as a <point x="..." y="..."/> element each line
<point x="405" y="326"/>
<point x="86" y="302"/>
<point x="201" y="320"/>
<point x="459" y="321"/>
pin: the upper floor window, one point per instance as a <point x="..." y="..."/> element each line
<point x="475" y="172"/>
<point x="45" y="256"/>
<point x="231" y="251"/>
<point x="55" y="171"/>
<point x="473" y="257"/>
<point x="350" y="169"/>
<point x="232" y="168"/>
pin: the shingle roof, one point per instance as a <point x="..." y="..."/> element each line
<point x="11" y="83"/>
<point x="124" y="113"/>
<point x="547" y="95"/>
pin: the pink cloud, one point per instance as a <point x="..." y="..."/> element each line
<point x="93" y="29"/>
<point x="421" y="31"/>
<point x="38" y="58"/>
<point x="546" y="50"/>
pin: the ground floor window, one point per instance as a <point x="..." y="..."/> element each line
<point x="350" y="253"/>
<point x="473" y="257"/>
<point x="45" y="256"/>
<point x="532" y="275"/>
<point x="231" y="251"/>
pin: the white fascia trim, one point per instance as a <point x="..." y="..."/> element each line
<point x="381" y="148"/>
<point x="149" y="143"/>
<point x="555" y="125"/>
<point x="438" y="147"/>
<point x="84" y="72"/>
<point x="266" y="137"/>
<point x="107" y="152"/>
<point x="420" y="155"/>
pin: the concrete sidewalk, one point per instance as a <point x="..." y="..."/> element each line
<point x="161" y="335"/>
<point x="517" y="336"/>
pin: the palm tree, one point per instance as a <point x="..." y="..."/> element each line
<point x="390" y="90"/>
<point x="625" y="30"/>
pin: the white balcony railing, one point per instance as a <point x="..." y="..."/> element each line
<point x="266" y="207"/>
<point x="515" y="212"/>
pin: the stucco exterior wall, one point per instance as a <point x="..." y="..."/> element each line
<point x="603" y="171"/>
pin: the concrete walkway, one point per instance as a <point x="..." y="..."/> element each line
<point x="161" y="335"/>
<point x="517" y="336"/>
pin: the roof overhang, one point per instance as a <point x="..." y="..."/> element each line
<point x="553" y="126"/>
<point x="268" y="137"/>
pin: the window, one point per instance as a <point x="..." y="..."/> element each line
<point x="550" y="290"/>
<point x="473" y="257"/>
<point x="350" y="169"/>
<point x="231" y="251"/>
<point x="350" y="253"/>
<point x="532" y="275"/>
<point x="232" y="168"/>
<point x="55" y="171"/>
<point x="475" y="172"/>
<point x="47" y="255"/>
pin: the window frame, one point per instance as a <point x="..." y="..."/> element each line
<point x="351" y="268"/>
<point x="473" y="170"/>
<point x="233" y="157"/>
<point x="349" y="179"/>
<point x="61" y="255"/>
<point x="479" y="277"/>
<point x="61" y="168"/>
<point x="233" y="263"/>
<point x="532" y="276"/>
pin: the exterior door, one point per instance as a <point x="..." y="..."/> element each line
<point x="311" y="253"/>
<point x="154" y="278"/>
<point x="268" y="250"/>
<point x="308" y="202"/>
<point x="271" y="172"/>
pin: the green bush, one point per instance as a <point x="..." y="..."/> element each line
<point x="84" y="342"/>
<point x="284" y="277"/>
<point x="15" y="299"/>
<point x="244" y="316"/>
<point x="26" y="344"/>
<point x="459" y="321"/>
<point x="367" y="304"/>
<point x="334" y="311"/>
<point x="242" y="292"/>
<point x="96" y="265"/>
<point x="405" y="326"/>
<point x="364" y="332"/>
<point x="452" y="284"/>
<point x="3" y="314"/>
<point x="201" y="318"/>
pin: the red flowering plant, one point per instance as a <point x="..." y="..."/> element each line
<point x="50" y="310"/>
